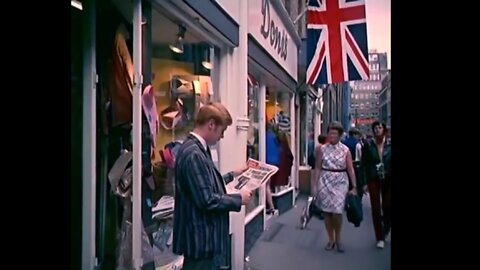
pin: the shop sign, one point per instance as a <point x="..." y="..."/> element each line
<point x="268" y="29"/>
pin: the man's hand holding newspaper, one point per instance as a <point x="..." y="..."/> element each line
<point x="253" y="177"/>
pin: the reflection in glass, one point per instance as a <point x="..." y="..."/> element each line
<point x="252" y="136"/>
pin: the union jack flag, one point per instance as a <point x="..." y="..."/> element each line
<point x="337" y="47"/>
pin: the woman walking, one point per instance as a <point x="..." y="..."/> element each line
<point x="334" y="166"/>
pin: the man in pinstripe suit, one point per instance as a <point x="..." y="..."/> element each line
<point x="202" y="206"/>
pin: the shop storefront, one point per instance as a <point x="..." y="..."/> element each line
<point x="148" y="66"/>
<point x="272" y="75"/>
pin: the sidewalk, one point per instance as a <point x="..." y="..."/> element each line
<point x="283" y="246"/>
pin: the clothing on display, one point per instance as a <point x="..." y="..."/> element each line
<point x="124" y="261"/>
<point x="282" y="121"/>
<point x="162" y="238"/>
<point x="121" y="79"/>
<point x="120" y="175"/>
<point x="163" y="171"/>
<point x="149" y="106"/>
<point x="171" y="117"/>
<point x="169" y="152"/>
<point x="181" y="87"/>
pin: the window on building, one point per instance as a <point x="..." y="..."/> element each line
<point x="374" y="57"/>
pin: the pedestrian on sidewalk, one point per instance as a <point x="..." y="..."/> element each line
<point x="334" y="167"/>
<point x="202" y="205"/>
<point x="375" y="166"/>
<point x="353" y="143"/>
<point x="322" y="139"/>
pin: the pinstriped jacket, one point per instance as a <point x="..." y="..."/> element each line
<point x="201" y="215"/>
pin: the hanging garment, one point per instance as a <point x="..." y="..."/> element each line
<point x="149" y="106"/>
<point x="121" y="81"/>
<point x="120" y="176"/>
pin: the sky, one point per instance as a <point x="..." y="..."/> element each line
<point x="379" y="26"/>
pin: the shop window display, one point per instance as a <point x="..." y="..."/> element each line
<point x="252" y="137"/>
<point x="278" y="117"/>
<point x="180" y="83"/>
<point x="181" y="67"/>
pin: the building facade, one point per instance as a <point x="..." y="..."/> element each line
<point x="336" y="105"/>
<point x="364" y="108"/>
<point x="203" y="50"/>
<point x="385" y="101"/>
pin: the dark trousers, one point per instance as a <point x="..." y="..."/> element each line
<point x="356" y="168"/>
<point x="381" y="224"/>
<point x="198" y="264"/>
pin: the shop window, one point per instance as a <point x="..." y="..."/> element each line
<point x="181" y="67"/>
<point x="253" y="146"/>
<point x="278" y="113"/>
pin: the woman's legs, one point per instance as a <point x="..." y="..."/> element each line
<point x="328" y="219"/>
<point x="337" y="228"/>
<point x="268" y="194"/>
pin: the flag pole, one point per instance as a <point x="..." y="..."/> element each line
<point x="301" y="13"/>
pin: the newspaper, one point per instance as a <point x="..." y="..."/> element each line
<point x="254" y="177"/>
<point x="163" y="209"/>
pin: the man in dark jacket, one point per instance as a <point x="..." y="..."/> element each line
<point x="351" y="142"/>
<point x="375" y="167"/>
<point x="202" y="205"/>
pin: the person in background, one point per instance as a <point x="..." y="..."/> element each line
<point x="322" y="139"/>
<point x="282" y="177"/>
<point x="273" y="150"/>
<point x="334" y="167"/>
<point x="311" y="151"/>
<point x="375" y="166"/>
<point x="352" y="142"/>
<point x="202" y="205"/>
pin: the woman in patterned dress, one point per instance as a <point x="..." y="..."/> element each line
<point x="332" y="165"/>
